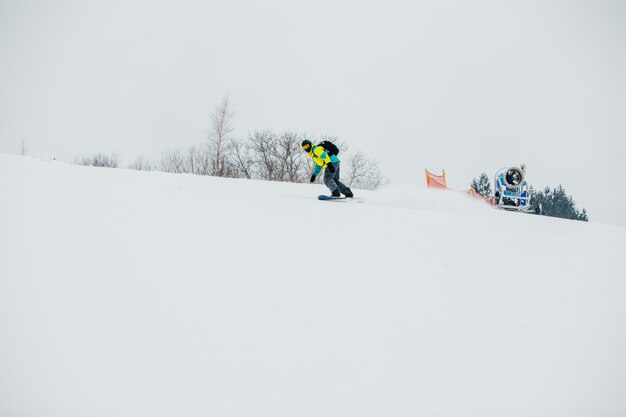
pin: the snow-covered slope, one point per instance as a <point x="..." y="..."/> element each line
<point x="126" y="293"/>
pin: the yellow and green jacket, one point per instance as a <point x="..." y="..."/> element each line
<point x="321" y="158"/>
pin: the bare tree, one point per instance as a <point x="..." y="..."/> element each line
<point x="219" y="139"/>
<point x="262" y="146"/>
<point x="141" y="163"/>
<point x="100" y="160"/>
<point x="363" y="172"/>
<point x="243" y="162"/>
<point x="172" y="161"/>
<point x="272" y="157"/>
<point x="198" y="160"/>
<point x="289" y="159"/>
<point x="24" y="148"/>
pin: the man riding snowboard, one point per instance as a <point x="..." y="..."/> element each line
<point x="324" y="155"/>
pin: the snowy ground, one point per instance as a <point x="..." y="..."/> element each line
<point x="126" y="293"/>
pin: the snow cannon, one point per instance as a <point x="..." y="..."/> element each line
<point x="511" y="190"/>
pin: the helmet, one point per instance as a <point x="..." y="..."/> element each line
<point x="306" y="145"/>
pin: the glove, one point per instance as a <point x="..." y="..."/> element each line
<point x="330" y="167"/>
<point x="313" y="178"/>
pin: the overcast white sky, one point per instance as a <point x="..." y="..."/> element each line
<point x="469" y="86"/>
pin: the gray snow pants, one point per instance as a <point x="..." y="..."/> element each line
<point x="331" y="179"/>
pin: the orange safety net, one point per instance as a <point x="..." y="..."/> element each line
<point x="473" y="193"/>
<point x="436" y="181"/>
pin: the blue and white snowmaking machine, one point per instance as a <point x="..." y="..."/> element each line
<point x="511" y="190"/>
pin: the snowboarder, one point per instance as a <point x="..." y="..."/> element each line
<point x="324" y="154"/>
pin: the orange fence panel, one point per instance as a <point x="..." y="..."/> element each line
<point x="436" y="181"/>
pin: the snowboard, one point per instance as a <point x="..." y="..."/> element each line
<point x="330" y="198"/>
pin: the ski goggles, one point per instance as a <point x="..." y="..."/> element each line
<point x="306" y="147"/>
